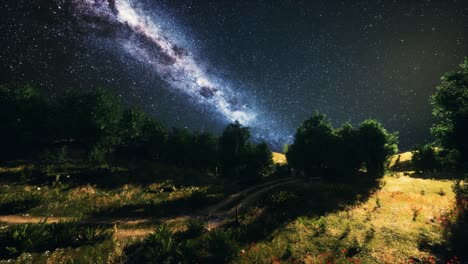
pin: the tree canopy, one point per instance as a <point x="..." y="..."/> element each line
<point x="319" y="148"/>
<point x="103" y="129"/>
<point x="450" y="107"/>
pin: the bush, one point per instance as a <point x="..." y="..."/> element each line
<point x="194" y="229"/>
<point x="189" y="251"/>
<point x="163" y="247"/>
<point x="221" y="245"/>
<point x="159" y="247"/>
<point x="425" y="159"/>
<point x="41" y="236"/>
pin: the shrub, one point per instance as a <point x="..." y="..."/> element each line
<point x="194" y="228"/>
<point x="159" y="247"/>
<point x="221" y="245"/>
<point x="189" y="251"/>
<point x="41" y="236"/>
<point x="425" y="159"/>
<point x="163" y="247"/>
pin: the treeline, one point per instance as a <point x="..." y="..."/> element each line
<point x="449" y="150"/>
<point x="321" y="150"/>
<point x="96" y="127"/>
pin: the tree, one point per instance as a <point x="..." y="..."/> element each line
<point x="178" y="147"/>
<point x="313" y="145"/>
<point x="204" y="154"/>
<point x="155" y="137"/>
<point x="233" y="146"/>
<point x="376" y="145"/>
<point x="450" y="107"/>
<point x="132" y="133"/>
<point x="23" y="117"/>
<point x="425" y="158"/>
<point x="259" y="161"/>
<point x="319" y="148"/>
<point x="93" y="120"/>
<point x="347" y="156"/>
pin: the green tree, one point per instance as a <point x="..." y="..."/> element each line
<point x="313" y="146"/>
<point x="91" y="119"/>
<point x="450" y="107"/>
<point x="133" y="134"/>
<point x="425" y="158"/>
<point x="23" y="117"/>
<point x="376" y="145"/>
<point x="259" y="160"/>
<point x="347" y="152"/>
<point x="179" y="146"/>
<point x="204" y="151"/>
<point x="233" y="145"/>
<point x="155" y="137"/>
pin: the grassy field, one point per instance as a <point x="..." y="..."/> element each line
<point x="397" y="219"/>
<point x="395" y="224"/>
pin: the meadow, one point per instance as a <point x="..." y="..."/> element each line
<point x="60" y="218"/>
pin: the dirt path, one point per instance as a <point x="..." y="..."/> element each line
<point x="220" y="213"/>
<point x="214" y="216"/>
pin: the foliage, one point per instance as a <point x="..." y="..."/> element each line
<point x="450" y="107"/>
<point x="376" y="145"/>
<point x="425" y="159"/>
<point x="221" y="245"/>
<point x="318" y="147"/>
<point x="95" y="127"/>
<point x="41" y="236"/>
<point x="239" y="159"/>
<point x="24" y="116"/>
<point x="456" y="230"/>
<point x="163" y="247"/>
<point x="313" y="144"/>
<point x="194" y="229"/>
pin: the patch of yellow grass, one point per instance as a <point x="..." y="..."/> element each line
<point x="279" y="158"/>
<point x="404" y="157"/>
<point x="388" y="227"/>
<point x="18" y="168"/>
<point x="86" y="190"/>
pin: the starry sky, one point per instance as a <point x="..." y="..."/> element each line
<point x="267" y="63"/>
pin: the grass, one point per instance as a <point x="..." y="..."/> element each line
<point x="279" y="158"/>
<point x="373" y="234"/>
<point x="398" y="219"/>
<point x="40" y="237"/>
<point x="57" y="195"/>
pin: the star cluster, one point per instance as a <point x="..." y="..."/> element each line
<point x="268" y="64"/>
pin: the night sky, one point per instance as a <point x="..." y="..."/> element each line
<point x="269" y="64"/>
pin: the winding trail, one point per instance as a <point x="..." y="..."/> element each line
<point x="214" y="216"/>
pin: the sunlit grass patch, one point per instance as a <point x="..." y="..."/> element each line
<point x="387" y="228"/>
<point x="401" y="157"/>
<point x="279" y="158"/>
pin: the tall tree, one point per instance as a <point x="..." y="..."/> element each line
<point x="313" y="145"/>
<point x="347" y="152"/>
<point x="23" y="117"/>
<point x="233" y="146"/>
<point x="450" y="107"/>
<point x="92" y="119"/>
<point x="376" y="145"/>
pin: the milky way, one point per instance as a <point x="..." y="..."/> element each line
<point x="140" y="35"/>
